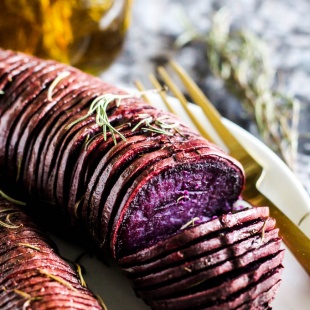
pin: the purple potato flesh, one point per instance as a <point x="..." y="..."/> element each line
<point x="153" y="211"/>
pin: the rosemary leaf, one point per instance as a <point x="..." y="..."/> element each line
<point x="191" y="222"/>
<point x="79" y="272"/>
<point x="59" y="77"/>
<point x="57" y="279"/>
<point x="5" y="196"/>
<point x="27" y="245"/>
<point x="101" y="302"/>
<point x="9" y="226"/>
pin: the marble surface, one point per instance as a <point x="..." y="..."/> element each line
<point x="283" y="25"/>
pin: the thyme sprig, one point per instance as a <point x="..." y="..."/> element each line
<point x="240" y="59"/>
<point x="99" y="107"/>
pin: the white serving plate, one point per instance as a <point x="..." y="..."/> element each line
<point x="281" y="186"/>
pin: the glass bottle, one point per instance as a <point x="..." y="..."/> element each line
<point x="87" y="34"/>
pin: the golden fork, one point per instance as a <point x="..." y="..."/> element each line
<point x="293" y="237"/>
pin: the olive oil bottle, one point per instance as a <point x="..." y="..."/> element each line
<point x="87" y="34"/>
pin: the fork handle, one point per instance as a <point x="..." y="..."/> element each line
<point x="296" y="241"/>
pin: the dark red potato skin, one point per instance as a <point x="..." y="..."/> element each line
<point x="219" y="292"/>
<point x="26" y="256"/>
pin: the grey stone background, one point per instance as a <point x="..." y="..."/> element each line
<point x="283" y="24"/>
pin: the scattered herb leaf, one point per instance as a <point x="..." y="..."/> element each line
<point x="26" y="245"/>
<point x="57" y="279"/>
<point x="104" y="307"/>
<point x="303" y="218"/>
<point x="5" y="196"/>
<point x="180" y="198"/>
<point x="7" y="223"/>
<point x="53" y="85"/>
<point x="79" y="272"/>
<point x="191" y="222"/>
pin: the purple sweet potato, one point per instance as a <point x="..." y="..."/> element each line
<point x="137" y="192"/>
<point x="14" y="120"/>
<point x="269" y="284"/>
<point x="31" y="179"/>
<point x="140" y="156"/>
<point x="213" y="180"/>
<point x="205" y="274"/>
<point x="220" y="287"/>
<point x="31" y="272"/>
<point x="206" y="178"/>
<point x="209" y="264"/>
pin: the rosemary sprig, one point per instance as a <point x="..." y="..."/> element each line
<point x="99" y="107"/>
<point x="240" y="59"/>
<point x="160" y="126"/>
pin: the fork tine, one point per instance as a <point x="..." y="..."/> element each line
<point x="163" y="95"/>
<point x="140" y="87"/>
<point x="210" y="112"/>
<point x="179" y="95"/>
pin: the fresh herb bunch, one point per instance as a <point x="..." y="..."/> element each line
<point x="240" y="59"/>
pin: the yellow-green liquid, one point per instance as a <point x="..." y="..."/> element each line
<point x="84" y="33"/>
